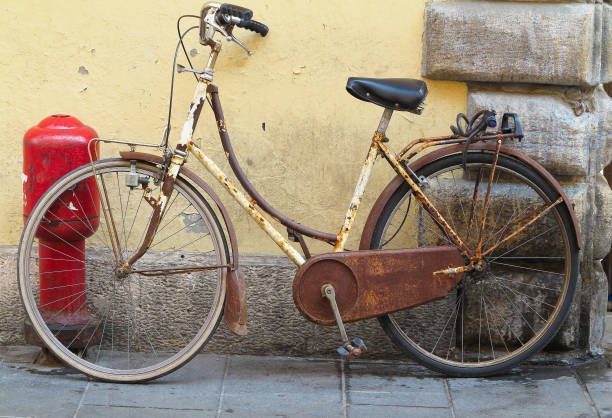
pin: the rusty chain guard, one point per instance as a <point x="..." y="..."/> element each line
<point x="371" y="283"/>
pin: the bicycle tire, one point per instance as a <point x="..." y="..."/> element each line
<point x="522" y="309"/>
<point x="165" y="320"/>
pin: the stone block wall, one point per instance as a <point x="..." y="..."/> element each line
<point x="546" y="61"/>
<point x="275" y="326"/>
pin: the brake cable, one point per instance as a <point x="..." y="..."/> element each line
<point x="166" y="134"/>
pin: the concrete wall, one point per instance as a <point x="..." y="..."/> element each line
<point x="109" y="63"/>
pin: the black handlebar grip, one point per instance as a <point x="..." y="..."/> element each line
<point x="253" y="25"/>
<point x="236" y="11"/>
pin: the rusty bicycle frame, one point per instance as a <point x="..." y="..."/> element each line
<point x="377" y="147"/>
<point x="206" y="90"/>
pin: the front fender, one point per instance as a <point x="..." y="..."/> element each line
<point x="235" y="309"/>
<point x="368" y="230"/>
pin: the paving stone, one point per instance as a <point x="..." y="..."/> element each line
<point x="23" y="393"/>
<point x="195" y="386"/>
<point x="392" y="385"/>
<point x="396" y="411"/>
<point x="598" y="381"/>
<point x="525" y="42"/>
<point x="535" y="394"/>
<point x="19" y="354"/>
<point x="113" y="412"/>
<point x="271" y="386"/>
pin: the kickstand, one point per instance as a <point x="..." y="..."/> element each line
<point x="354" y="348"/>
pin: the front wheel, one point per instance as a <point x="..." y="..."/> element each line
<point x="112" y="324"/>
<point x="499" y="316"/>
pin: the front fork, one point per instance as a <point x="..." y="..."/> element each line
<point x="178" y="159"/>
<point x="159" y="208"/>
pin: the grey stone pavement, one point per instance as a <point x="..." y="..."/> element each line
<point x="215" y="385"/>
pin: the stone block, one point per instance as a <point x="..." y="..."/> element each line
<point x="594" y="306"/>
<point x="606" y="45"/>
<point x="513" y="42"/>
<point x="523" y="284"/>
<point x="565" y="144"/>
<point x="508" y="200"/>
<point x="11" y="312"/>
<point x="602" y="224"/>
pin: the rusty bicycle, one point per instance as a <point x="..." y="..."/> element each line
<point x="469" y="258"/>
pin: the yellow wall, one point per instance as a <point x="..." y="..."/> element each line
<point x="307" y="160"/>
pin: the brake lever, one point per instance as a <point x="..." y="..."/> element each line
<point x="210" y="20"/>
<point x="232" y="38"/>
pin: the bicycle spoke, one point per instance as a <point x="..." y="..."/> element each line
<point x="519" y="245"/>
<point x="526" y="268"/>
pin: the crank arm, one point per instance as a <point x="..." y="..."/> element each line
<point x="354" y="348"/>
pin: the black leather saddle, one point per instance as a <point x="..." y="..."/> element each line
<point x="393" y="93"/>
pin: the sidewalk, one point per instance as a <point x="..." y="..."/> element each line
<point x="238" y="386"/>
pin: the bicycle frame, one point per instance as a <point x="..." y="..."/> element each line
<point x="186" y="145"/>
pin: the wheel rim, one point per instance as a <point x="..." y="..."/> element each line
<point x="503" y="313"/>
<point x="123" y="327"/>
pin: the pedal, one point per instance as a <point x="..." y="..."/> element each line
<point x="358" y="342"/>
<point x="342" y="351"/>
<point x="352" y="349"/>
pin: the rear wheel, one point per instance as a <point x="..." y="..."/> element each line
<point x="108" y="324"/>
<point x="501" y="315"/>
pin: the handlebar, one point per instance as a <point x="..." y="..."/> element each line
<point x="236" y="11"/>
<point x="254" y="26"/>
<point x="222" y="18"/>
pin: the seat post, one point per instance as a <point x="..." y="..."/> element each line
<point x="384" y="122"/>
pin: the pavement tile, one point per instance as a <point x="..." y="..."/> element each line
<point x="18" y="354"/>
<point x="114" y="411"/>
<point x="368" y="411"/>
<point x="197" y="385"/>
<point x="598" y="380"/>
<point x="256" y="386"/>
<point x="541" y="392"/>
<point x="33" y="393"/>
<point x="392" y="385"/>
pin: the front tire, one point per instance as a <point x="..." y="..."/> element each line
<point x="109" y="325"/>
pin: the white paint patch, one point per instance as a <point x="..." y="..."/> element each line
<point x="174" y="169"/>
<point x="24" y="178"/>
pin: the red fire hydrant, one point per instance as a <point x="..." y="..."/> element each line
<point x="51" y="149"/>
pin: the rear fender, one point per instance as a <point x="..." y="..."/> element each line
<point x="235" y="309"/>
<point x="368" y="230"/>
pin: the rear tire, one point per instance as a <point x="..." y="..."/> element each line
<point x="494" y="319"/>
